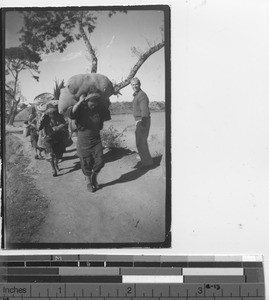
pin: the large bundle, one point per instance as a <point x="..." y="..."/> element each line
<point x="66" y="100"/>
<point x="41" y="101"/>
<point x="85" y="84"/>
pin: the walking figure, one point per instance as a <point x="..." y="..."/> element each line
<point x="54" y="129"/>
<point x="89" y="117"/>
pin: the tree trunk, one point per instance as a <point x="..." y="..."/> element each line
<point x="13" y="112"/>
<point x="90" y="48"/>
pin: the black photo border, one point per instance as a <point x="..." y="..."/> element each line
<point x="168" y="208"/>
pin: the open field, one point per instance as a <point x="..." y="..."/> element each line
<point x="126" y="123"/>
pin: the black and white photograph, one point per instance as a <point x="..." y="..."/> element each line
<point x="86" y="132"/>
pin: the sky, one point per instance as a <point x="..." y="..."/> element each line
<point x="113" y="39"/>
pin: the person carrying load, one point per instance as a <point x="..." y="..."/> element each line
<point x="89" y="117"/>
<point x="85" y="99"/>
<point x="55" y="131"/>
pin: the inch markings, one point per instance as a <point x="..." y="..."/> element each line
<point x="102" y="277"/>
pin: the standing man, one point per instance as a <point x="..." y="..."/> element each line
<point x="142" y="117"/>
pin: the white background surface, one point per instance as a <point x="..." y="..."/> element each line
<point x="220" y="126"/>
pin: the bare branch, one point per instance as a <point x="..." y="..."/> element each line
<point x="162" y="32"/>
<point x="35" y="77"/>
<point x="149" y="43"/>
<point x="10" y="69"/>
<point x="136" y="67"/>
<point x="8" y="86"/>
<point x="88" y="45"/>
<point x="8" y="92"/>
<point x="137" y="52"/>
<point x="23" y="67"/>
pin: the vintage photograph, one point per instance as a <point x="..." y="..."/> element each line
<point x="86" y="128"/>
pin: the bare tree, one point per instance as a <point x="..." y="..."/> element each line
<point x="18" y="59"/>
<point x="142" y="58"/>
<point x="66" y="26"/>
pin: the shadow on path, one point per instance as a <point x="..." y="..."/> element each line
<point x="69" y="157"/>
<point x="116" y="154"/>
<point x="76" y="166"/>
<point x="134" y="174"/>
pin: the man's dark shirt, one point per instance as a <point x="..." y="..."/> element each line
<point x="140" y="105"/>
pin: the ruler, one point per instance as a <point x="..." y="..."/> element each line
<point x="122" y="277"/>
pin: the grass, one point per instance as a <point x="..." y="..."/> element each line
<point x="112" y="138"/>
<point x="24" y="206"/>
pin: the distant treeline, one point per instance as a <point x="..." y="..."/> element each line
<point x="117" y="108"/>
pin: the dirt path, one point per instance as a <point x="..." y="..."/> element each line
<point x="129" y="207"/>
